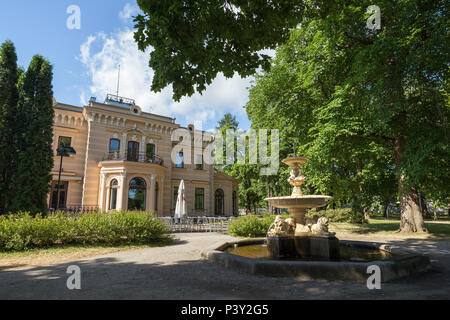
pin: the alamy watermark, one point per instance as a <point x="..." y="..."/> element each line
<point x="226" y="148"/>
<point x="374" y="280"/>
<point x="74" y="20"/>
<point x="74" y="281"/>
<point x="374" y="21"/>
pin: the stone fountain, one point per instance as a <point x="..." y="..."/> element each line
<point x="294" y="247"/>
<point x="294" y="237"/>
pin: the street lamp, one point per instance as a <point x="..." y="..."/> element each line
<point x="62" y="152"/>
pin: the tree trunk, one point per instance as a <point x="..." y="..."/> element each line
<point x="423" y="206"/>
<point x="248" y="208"/>
<point x="385" y="209"/>
<point x="366" y="213"/>
<point x="411" y="216"/>
<point x="411" y="219"/>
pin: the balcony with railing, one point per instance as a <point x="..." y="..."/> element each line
<point x="140" y="157"/>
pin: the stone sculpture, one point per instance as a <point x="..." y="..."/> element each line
<point x="320" y="226"/>
<point x="282" y="228"/>
<point x="301" y="228"/>
<point x="287" y="227"/>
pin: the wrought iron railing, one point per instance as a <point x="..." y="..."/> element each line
<point x="198" y="224"/>
<point x="185" y="224"/>
<point x="134" y="157"/>
<point x="76" y="210"/>
<point x="119" y="99"/>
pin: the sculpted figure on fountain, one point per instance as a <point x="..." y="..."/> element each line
<point x="282" y="227"/>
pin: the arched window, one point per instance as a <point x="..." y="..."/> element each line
<point x="113" y="194"/>
<point x="219" y="201"/>
<point x="137" y="194"/>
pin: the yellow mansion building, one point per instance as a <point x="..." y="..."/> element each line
<point x="123" y="161"/>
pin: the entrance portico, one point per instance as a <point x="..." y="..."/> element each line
<point x="126" y="185"/>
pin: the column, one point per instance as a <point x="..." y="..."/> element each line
<point x="108" y="200"/>
<point x="121" y="192"/>
<point x="102" y="192"/>
<point x="151" y="193"/>
<point x="161" y="196"/>
<point x="142" y="155"/>
<point x="123" y="146"/>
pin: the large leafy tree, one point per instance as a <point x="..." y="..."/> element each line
<point x="9" y="96"/>
<point x="32" y="178"/>
<point x="228" y="122"/>
<point x="193" y="41"/>
<point x="252" y="188"/>
<point x="366" y="105"/>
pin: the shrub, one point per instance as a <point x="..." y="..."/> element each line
<point x="22" y="231"/>
<point x="337" y="215"/>
<point x="251" y="226"/>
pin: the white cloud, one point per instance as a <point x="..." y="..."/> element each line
<point x="129" y="11"/>
<point x="101" y="54"/>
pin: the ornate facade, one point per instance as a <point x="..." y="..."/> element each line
<point x="123" y="161"/>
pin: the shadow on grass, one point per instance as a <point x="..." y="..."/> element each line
<point x="368" y="228"/>
<point x="435" y="229"/>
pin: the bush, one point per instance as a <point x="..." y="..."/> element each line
<point x="251" y="226"/>
<point x="337" y="215"/>
<point x="22" y="231"/>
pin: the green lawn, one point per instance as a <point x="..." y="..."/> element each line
<point x="397" y="217"/>
<point x="378" y="226"/>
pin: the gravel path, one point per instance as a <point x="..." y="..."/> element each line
<point x="176" y="272"/>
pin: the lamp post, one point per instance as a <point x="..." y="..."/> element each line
<point x="62" y="152"/>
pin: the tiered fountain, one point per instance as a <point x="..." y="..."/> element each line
<point x="295" y="248"/>
<point x="293" y="237"/>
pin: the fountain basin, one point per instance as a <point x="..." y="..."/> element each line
<point x="394" y="263"/>
<point x="297" y="206"/>
<point x="305" y="246"/>
<point x="306" y="202"/>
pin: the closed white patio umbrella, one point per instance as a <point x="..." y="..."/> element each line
<point x="180" y="208"/>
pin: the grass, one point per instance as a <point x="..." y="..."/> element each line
<point x="397" y="218"/>
<point x="61" y="254"/>
<point x="380" y="227"/>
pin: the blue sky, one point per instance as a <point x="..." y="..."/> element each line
<point x="85" y="61"/>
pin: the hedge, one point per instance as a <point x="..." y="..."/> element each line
<point x="251" y="226"/>
<point x="22" y="231"/>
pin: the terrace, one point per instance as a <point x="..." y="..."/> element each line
<point x="140" y="157"/>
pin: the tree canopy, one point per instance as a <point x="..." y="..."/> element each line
<point x="369" y="107"/>
<point x="26" y="132"/>
<point x="366" y="107"/>
<point x="9" y="97"/>
<point x="193" y="41"/>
